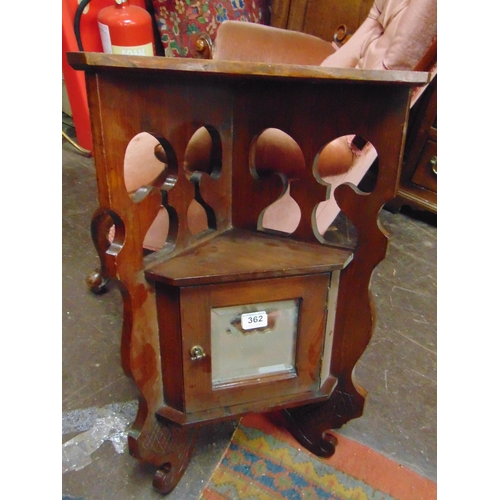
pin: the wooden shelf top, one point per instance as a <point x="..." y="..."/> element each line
<point x="207" y="68"/>
<point x="237" y="255"/>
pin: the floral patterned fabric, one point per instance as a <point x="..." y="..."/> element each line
<point x="180" y="22"/>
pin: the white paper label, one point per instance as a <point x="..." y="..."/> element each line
<point x="105" y="38"/>
<point x="249" y="321"/>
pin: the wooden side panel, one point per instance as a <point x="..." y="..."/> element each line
<point x="169" y="321"/>
<point x="320" y="18"/>
<point x="297" y="15"/>
<point x="279" y="13"/>
<point x="122" y="106"/>
<point x="323" y="18"/>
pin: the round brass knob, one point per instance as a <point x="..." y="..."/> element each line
<point x="205" y="46"/>
<point x="196" y="352"/>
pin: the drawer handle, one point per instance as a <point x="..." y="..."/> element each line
<point x="196" y="352"/>
<point x="340" y="34"/>
<point x="433" y="162"/>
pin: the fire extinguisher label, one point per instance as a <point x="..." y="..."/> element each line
<point x="138" y="50"/>
<point x="105" y="38"/>
<point x="131" y="50"/>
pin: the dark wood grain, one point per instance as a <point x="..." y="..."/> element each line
<point x="202" y="69"/>
<point x="418" y="183"/>
<point x="321" y="18"/>
<point x="237" y="255"/>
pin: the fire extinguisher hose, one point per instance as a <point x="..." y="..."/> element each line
<point x="76" y="24"/>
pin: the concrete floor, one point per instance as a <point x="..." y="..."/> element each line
<point x="398" y="369"/>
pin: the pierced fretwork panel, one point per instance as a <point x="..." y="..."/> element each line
<point x="151" y="165"/>
<point x="274" y="152"/>
<point x="203" y="158"/>
<point x="344" y="160"/>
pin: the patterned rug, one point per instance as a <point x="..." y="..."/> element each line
<point x="263" y="462"/>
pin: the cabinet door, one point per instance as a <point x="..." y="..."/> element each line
<point x="260" y="340"/>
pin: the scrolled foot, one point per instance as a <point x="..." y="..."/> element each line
<point x="165" y="445"/>
<point x="321" y="443"/>
<point x="164" y="480"/>
<point x="312" y="425"/>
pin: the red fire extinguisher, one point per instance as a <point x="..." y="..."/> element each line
<point x="126" y="29"/>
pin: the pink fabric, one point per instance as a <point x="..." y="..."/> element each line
<point x="266" y="44"/>
<point x="395" y="35"/>
<point x="409" y="44"/>
<point x="140" y="165"/>
<point x="342" y="162"/>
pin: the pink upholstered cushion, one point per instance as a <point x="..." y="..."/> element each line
<point x="266" y="44"/>
<point x="395" y="35"/>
